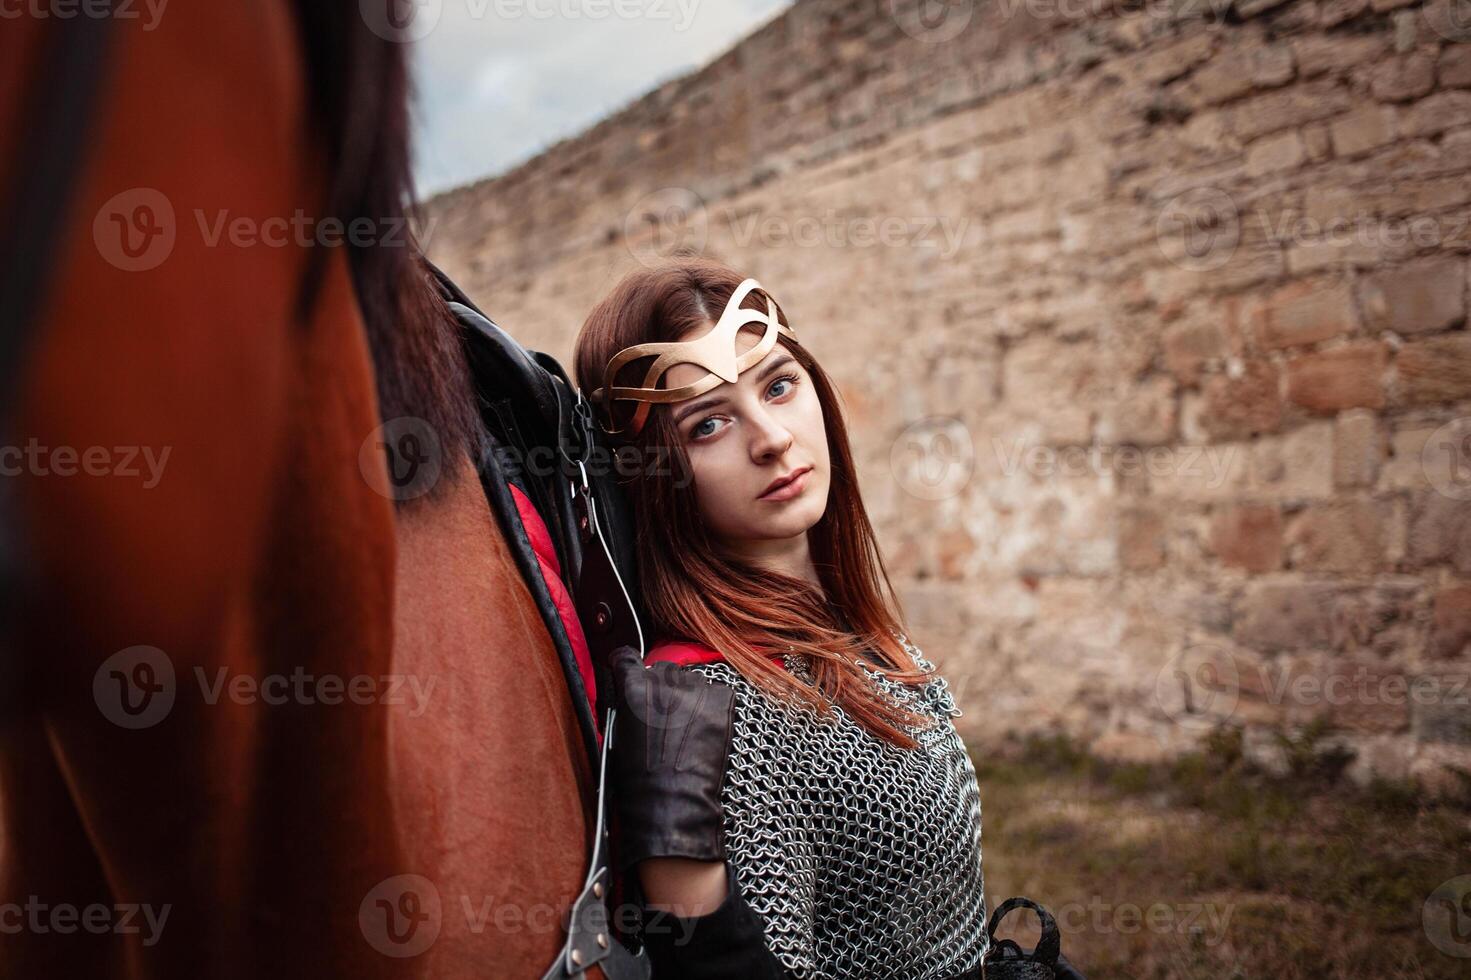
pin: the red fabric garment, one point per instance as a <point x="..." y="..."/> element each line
<point x="683" y="653"/>
<point x="551" y="573"/>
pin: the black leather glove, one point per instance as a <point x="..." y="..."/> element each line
<point x="726" y="944"/>
<point x="670" y="746"/>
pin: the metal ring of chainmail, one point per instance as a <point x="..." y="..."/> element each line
<point x="862" y="859"/>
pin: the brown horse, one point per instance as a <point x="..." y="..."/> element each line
<point x="253" y="691"/>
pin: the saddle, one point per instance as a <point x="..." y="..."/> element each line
<point x="546" y="476"/>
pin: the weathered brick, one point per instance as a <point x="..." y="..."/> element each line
<point x="1437" y="113"/>
<point x="1437" y="369"/>
<point x="1302" y="313"/>
<point x="1420" y="297"/>
<point x="1142" y="539"/>
<point x="1297" y="465"/>
<point x="1145" y="418"/>
<point x="1336" y="536"/>
<point x="1248" y="536"/>
<point x="1273" y="154"/>
<point x="1351" y="376"/>
<point x="1358" y="446"/>
<point x="1244" y="405"/>
<point x="1403" y="78"/>
<point x="1286" y="616"/>
<point x="1365" y="128"/>
<point x="1450" y="636"/>
<point x="1440" y="531"/>
<point x="1454" y="66"/>
<point x="1190" y="344"/>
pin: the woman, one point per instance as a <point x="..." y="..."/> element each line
<point x="790" y="787"/>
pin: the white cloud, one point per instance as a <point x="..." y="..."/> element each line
<point x="498" y="81"/>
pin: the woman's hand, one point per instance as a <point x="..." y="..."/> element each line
<point x="670" y="746"/>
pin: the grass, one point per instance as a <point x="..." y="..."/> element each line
<point x="1208" y="867"/>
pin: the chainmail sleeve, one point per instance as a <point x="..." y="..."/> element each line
<point x="862" y="859"/>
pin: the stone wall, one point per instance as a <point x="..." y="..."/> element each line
<point x="1150" y="323"/>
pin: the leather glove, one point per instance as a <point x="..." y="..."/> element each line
<point x="726" y="944"/>
<point x="670" y="746"/>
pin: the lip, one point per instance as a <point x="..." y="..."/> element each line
<point x="786" y="487"/>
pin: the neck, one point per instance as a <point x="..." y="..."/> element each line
<point x="789" y="556"/>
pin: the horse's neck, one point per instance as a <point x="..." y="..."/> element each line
<point x="492" y="785"/>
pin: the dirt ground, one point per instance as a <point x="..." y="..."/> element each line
<point x="1209" y="868"/>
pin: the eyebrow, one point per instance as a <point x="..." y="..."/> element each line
<point x="705" y="403"/>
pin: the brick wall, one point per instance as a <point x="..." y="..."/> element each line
<point x="1151" y="326"/>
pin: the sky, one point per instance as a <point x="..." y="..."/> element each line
<point x="498" y="81"/>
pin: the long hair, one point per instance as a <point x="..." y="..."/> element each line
<point x="695" y="588"/>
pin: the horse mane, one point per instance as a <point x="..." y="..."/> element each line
<point x="358" y="96"/>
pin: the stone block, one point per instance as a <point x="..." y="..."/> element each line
<point x="1351" y="376"/>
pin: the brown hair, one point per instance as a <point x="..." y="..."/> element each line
<point x="694" y="588"/>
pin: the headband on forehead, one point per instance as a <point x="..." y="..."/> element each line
<point x="713" y="351"/>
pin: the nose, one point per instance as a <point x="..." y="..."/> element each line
<point x="769" y="438"/>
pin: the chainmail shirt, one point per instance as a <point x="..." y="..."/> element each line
<point x="862" y="859"/>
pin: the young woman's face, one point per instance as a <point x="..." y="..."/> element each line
<point x="743" y="435"/>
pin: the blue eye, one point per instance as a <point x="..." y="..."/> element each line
<point x="696" y="430"/>
<point x="788" y="378"/>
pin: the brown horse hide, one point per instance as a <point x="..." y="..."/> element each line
<point x="350" y="751"/>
